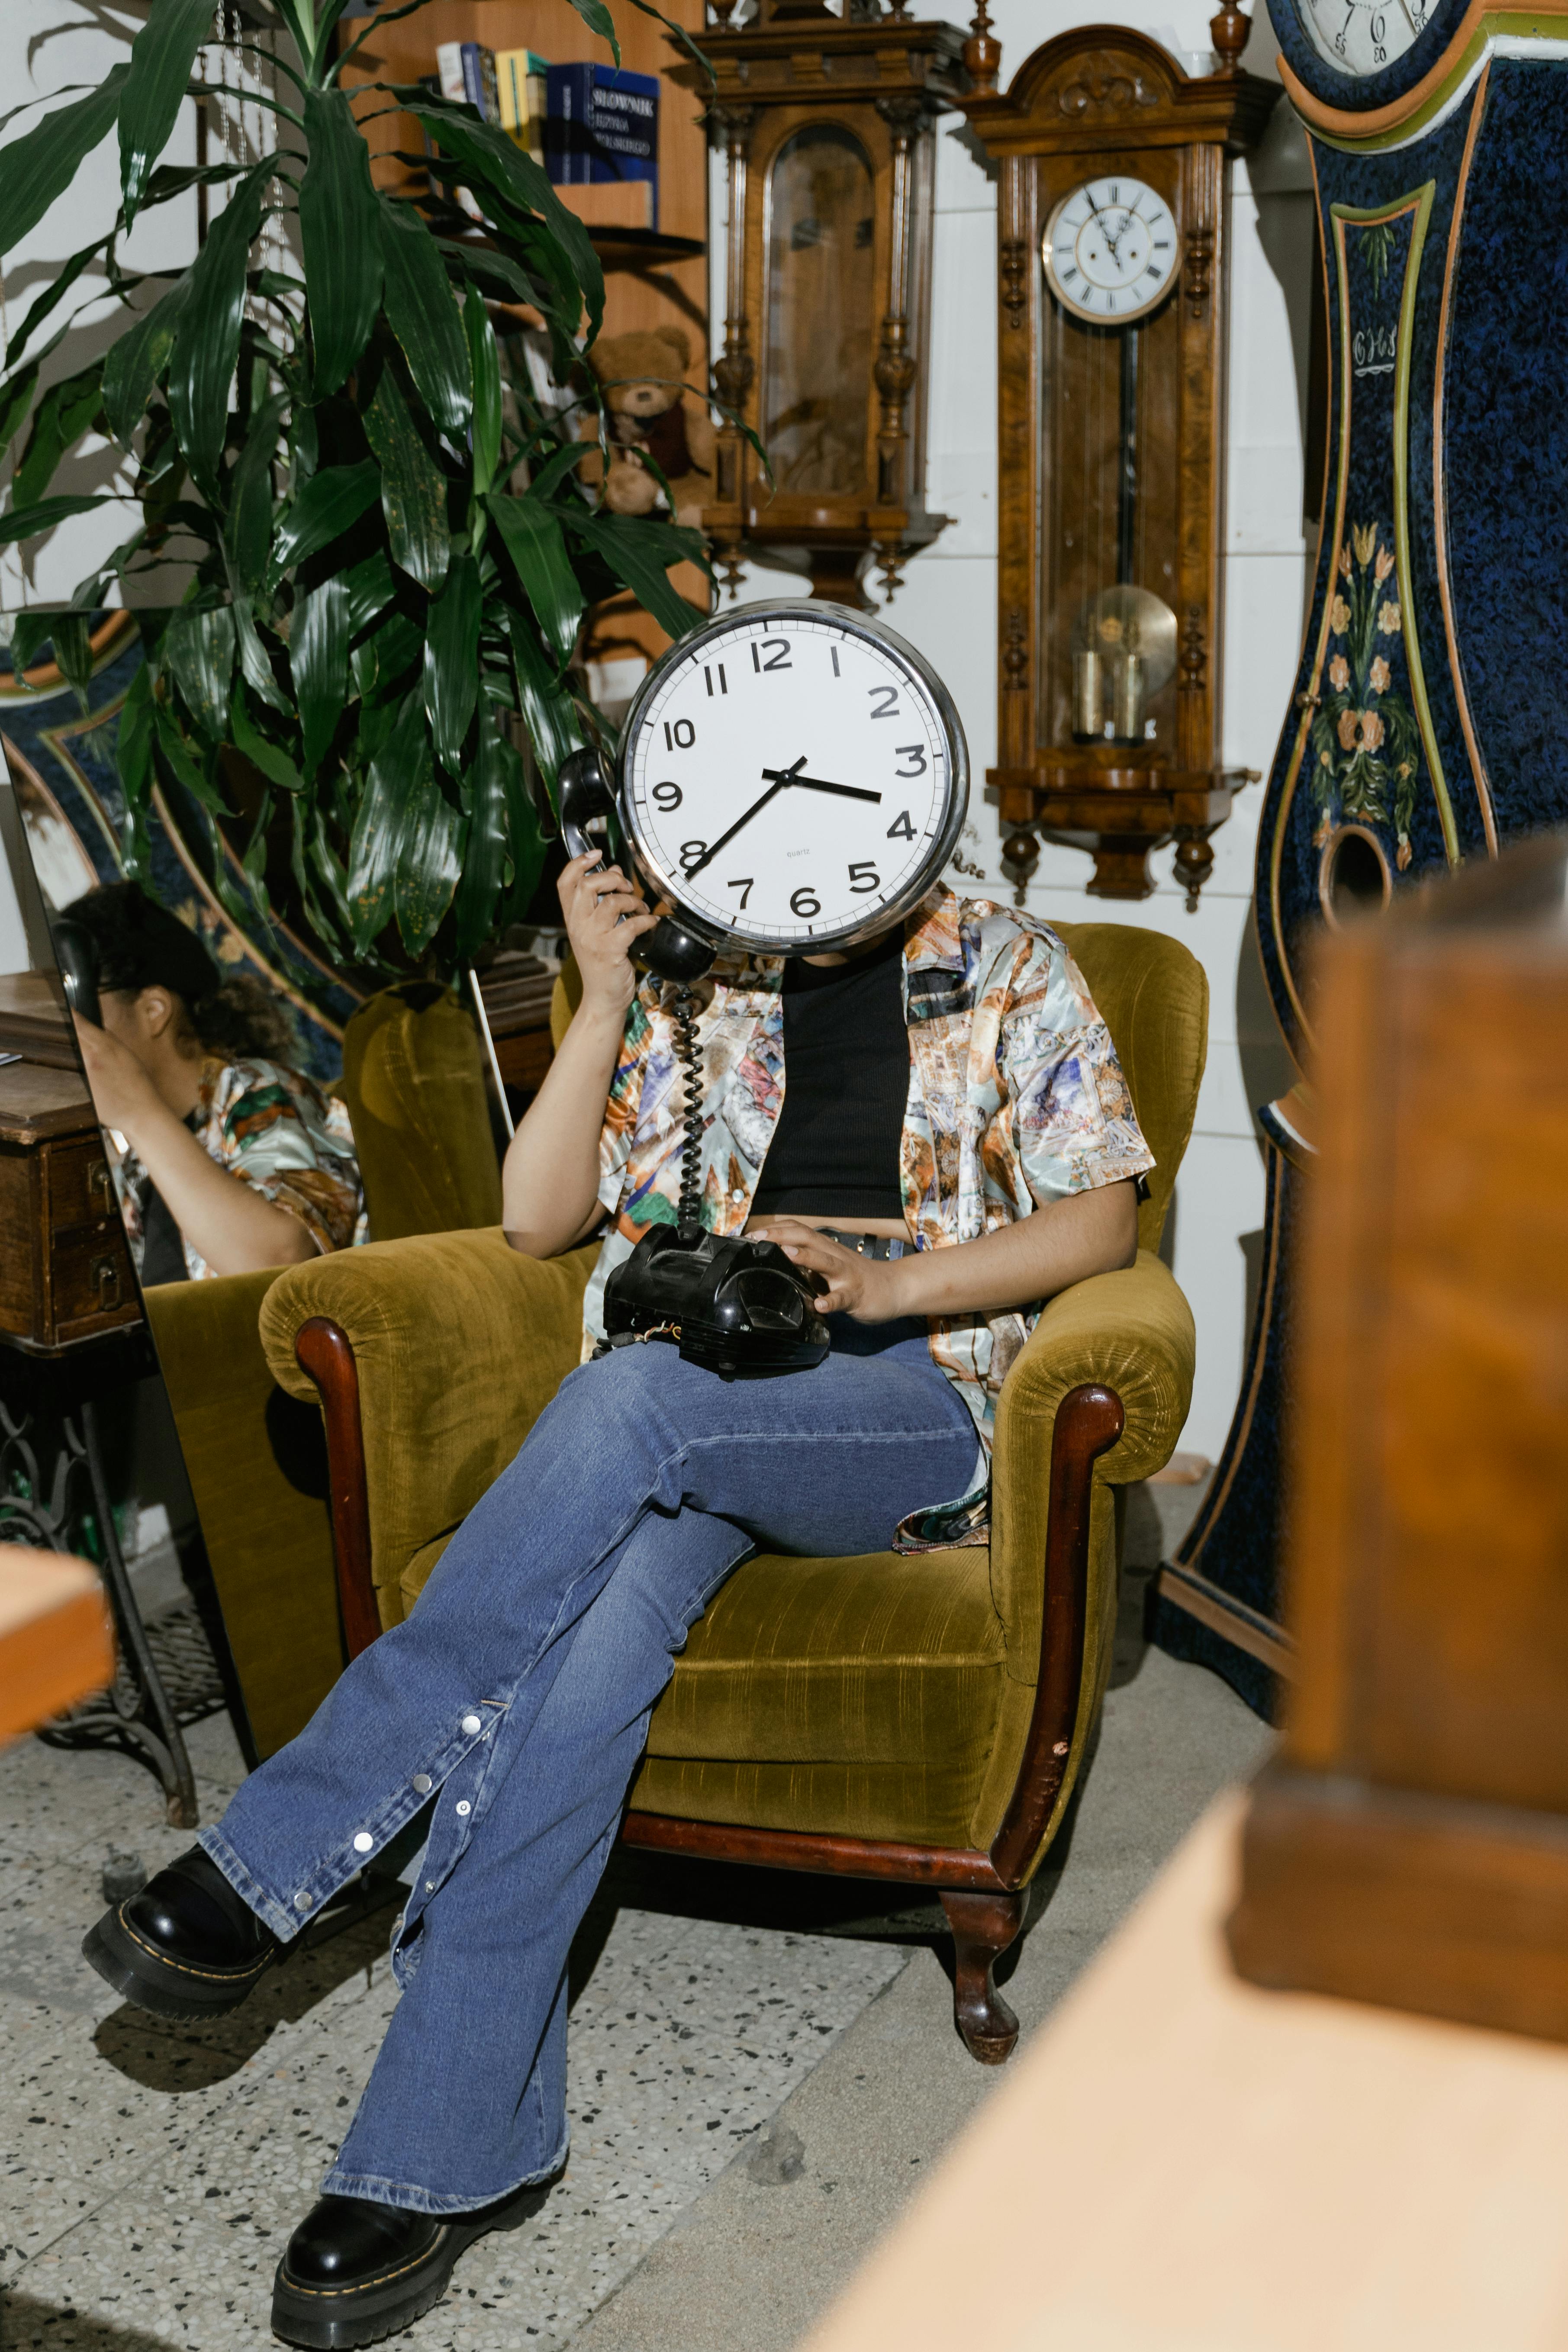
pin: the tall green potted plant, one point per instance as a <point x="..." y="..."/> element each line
<point x="387" y="565"/>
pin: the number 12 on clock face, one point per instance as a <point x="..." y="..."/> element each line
<point x="794" y="776"/>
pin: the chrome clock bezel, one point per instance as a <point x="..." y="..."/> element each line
<point x="944" y="841"/>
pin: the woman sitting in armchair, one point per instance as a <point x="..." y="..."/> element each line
<point x="955" y="1144"/>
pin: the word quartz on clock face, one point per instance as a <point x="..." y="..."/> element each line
<point x="789" y="778"/>
<point x="1362" y="37"/>
<point x="1112" y="250"/>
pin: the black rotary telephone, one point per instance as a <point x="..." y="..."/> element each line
<point x="738" y="1307"/>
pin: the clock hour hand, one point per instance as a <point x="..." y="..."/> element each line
<point x="818" y="785"/>
<point x="779" y="778"/>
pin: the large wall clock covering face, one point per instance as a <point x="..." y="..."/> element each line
<point x="794" y="777"/>
<point x="1111" y="250"/>
<point x="1357" y="55"/>
<point x="1363" y="37"/>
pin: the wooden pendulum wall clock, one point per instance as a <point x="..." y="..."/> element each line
<point x="1111" y="229"/>
<point x="1426" y="725"/>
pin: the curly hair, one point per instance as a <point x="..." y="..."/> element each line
<point x="141" y="945"/>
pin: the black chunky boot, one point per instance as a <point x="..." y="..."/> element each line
<point x="355" y="2270"/>
<point x="187" y="1946"/>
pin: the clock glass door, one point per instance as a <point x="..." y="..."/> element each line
<point x="1109" y="536"/>
<point x="817" y="371"/>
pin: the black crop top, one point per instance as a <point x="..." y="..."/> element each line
<point x="835" y="1150"/>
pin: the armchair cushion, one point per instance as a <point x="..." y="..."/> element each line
<point x="414" y="1082"/>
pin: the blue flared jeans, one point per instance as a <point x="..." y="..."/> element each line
<point x="514" y="1703"/>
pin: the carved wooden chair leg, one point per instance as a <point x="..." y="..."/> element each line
<point x="983" y="1927"/>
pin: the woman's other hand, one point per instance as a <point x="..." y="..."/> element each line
<point x="594" y="903"/>
<point x="869" y="1288"/>
<point x="122" y="1091"/>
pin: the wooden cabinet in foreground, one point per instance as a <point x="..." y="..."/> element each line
<point x="1411" y="1845"/>
<point x="1112" y="263"/>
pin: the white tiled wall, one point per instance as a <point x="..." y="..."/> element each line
<point x="947" y="607"/>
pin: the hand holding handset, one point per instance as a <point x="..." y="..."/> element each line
<point x="739" y="1307"/>
<point x="585" y="796"/>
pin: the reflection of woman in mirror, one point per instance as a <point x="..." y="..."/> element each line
<point x="192" y="1071"/>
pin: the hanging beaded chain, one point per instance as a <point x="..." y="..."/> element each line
<point x="683" y="1007"/>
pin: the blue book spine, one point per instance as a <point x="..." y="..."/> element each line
<point x="568" y="123"/>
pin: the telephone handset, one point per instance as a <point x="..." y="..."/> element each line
<point x="585" y="796"/>
<point x="76" y="952"/>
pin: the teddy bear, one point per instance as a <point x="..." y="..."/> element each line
<point x="647" y="406"/>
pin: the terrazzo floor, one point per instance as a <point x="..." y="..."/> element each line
<point x="150" y="2174"/>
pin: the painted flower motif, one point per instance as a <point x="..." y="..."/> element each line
<point x="1339" y="616"/>
<point x="1384" y="566"/>
<point x="1371" y="730"/>
<point x="1324" y="760"/>
<point x="1363" y="538"/>
<point x="1378" y="676"/>
<point x="1388" y="619"/>
<point x="1403" y="854"/>
<point x="1350" y="721"/>
<point x="1340" y="672"/>
<point x="1345" y="559"/>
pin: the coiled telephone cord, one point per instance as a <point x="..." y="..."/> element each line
<point x="684" y="1010"/>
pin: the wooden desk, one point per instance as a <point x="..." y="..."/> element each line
<point x="34" y="1020"/>
<point x="65" y="1269"/>
<point x="1181" y="2163"/>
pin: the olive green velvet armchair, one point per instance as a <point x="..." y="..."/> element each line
<point x="919" y="1718"/>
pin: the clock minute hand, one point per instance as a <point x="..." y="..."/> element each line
<point x="779" y="778"/>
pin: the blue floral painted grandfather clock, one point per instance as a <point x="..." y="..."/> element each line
<point x="1429" y="720"/>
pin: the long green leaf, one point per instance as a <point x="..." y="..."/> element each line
<point x="487" y="153"/>
<point x="452" y="660"/>
<point x="300" y="865"/>
<point x="72" y="635"/>
<point x="255" y="667"/>
<point x="318" y="658"/>
<point x="250" y="533"/>
<point x="548" y="711"/>
<point x="485" y="842"/>
<point x="138" y="359"/>
<point x="413" y="487"/>
<point x="324" y="509"/>
<point x="15" y="398"/>
<point x="532" y="534"/>
<point x="485" y="360"/>
<point x="40" y="166"/>
<point x="133" y="762"/>
<point x="624" y="542"/>
<point x="161" y="59"/>
<point x="31" y="523"/>
<point x="183" y="764"/>
<point x="383" y="821"/>
<point x="428" y="869"/>
<point x="339" y="222"/>
<point x="423" y="315"/>
<point x="62" y="416"/>
<point x="206" y="337"/>
<point x="259" y="749"/>
<point x="599" y="19"/>
<point x="198" y="649"/>
<point x="371" y="589"/>
<point x="51" y="296"/>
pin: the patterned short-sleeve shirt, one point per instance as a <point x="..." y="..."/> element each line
<point x="273" y="1129"/>
<point x="1016" y="1098"/>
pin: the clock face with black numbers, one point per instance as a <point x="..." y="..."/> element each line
<point x="794" y="776"/>
<point x="1112" y="250"/>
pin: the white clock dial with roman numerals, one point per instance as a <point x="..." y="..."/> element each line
<point x="794" y="776"/>
<point x="1112" y="250"/>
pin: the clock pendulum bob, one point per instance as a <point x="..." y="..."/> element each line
<point x="1425" y="726"/>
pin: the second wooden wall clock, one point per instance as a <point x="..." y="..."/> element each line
<point x="1111" y="474"/>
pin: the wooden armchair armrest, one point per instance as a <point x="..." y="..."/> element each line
<point x="432" y="1358"/>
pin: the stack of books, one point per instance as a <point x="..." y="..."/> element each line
<point x="601" y="128"/>
<point x="506" y="87"/>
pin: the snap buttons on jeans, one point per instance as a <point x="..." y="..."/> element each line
<point x="302" y="1903"/>
<point x="363" y="1841"/>
<point x="471" y="1724"/>
<point x="464" y="1807"/>
<point x="421" y="1784"/>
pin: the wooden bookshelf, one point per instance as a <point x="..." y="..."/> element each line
<point x="643" y="288"/>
